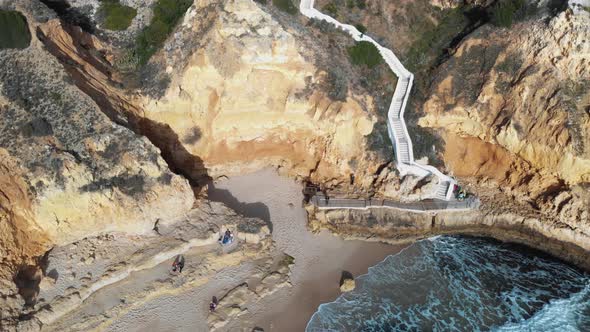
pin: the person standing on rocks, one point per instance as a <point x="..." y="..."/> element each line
<point x="178" y="264"/>
<point x="213" y="304"/>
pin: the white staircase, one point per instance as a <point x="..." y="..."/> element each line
<point x="441" y="190"/>
<point x="395" y="117"/>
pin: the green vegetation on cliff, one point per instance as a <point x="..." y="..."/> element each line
<point x="361" y="28"/>
<point x="285" y="5"/>
<point x="365" y="53"/>
<point x="14" y="32"/>
<point x="167" y="13"/>
<point x="433" y="39"/>
<point x="503" y="13"/>
<point x="330" y="9"/>
<point x="115" y="15"/>
<point x="360" y="4"/>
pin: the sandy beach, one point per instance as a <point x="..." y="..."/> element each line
<point x="137" y="303"/>
<point x="320" y="259"/>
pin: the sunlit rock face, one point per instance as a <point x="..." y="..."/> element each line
<point x="530" y="97"/>
<point x="513" y="106"/>
<point x="510" y="106"/>
<point x="251" y="97"/>
<point x="67" y="171"/>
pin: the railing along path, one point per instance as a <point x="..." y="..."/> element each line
<point x="429" y="205"/>
<point x="398" y="132"/>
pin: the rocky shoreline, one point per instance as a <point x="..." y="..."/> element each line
<point x="102" y="172"/>
<point x="393" y="226"/>
<point x="74" y="274"/>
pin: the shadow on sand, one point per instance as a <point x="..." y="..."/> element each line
<point x="250" y="210"/>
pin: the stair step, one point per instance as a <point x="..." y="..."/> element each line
<point x="441" y="190"/>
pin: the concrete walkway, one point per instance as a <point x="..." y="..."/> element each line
<point x="398" y="132"/>
<point x="425" y="206"/>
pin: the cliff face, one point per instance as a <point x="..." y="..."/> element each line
<point x="510" y="106"/>
<point x="81" y="177"/>
<point x="513" y="106"/>
<point x="67" y="171"/>
<point x="240" y="87"/>
<point x="530" y="95"/>
<point x="250" y="95"/>
<point x="21" y="240"/>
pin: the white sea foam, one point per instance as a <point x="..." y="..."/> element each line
<point x="462" y="283"/>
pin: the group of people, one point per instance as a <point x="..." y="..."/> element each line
<point x="178" y="264"/>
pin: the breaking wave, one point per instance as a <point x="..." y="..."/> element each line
<point x="462" y="284"/>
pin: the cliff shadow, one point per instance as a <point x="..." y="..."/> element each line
<point x="28" y="278"/>
<point x="92" y="75"/>
<point x="249" y="210"/>
<point x="179" y="159"/>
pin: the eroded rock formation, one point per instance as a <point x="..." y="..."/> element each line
<point x="514" y="108"/>
<point x="251" y="96"/>
<point x="89" y="149"/>
<point x="511" y="106"/>
<point x="68" y="172"/>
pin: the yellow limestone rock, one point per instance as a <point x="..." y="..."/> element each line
<point x="531" y="102"/>
<point x="247" y="101"/>
<point x="347" y="285"/>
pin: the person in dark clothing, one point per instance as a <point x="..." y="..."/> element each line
<point x="227" y="237"/>
<point x="213" y="304"/>
<point x="178" y="264"/>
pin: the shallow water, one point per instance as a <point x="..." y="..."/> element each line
<point x="463" y="284"/>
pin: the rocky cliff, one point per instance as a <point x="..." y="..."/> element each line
<point x="513" y="104"/>
<point x="509" y="108"/>
<point x="81" y="172"/>
<point x="67" y="171"/>
<point x="95" y="142"/>
<point x="529" y="96"/>
<point x="255" y="90"/>
<point x="238" y="87"/>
